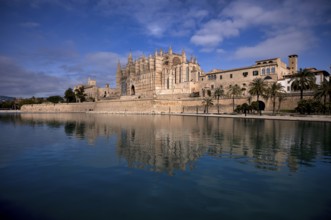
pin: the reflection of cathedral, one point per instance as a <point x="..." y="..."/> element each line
<point x="170" y="143"/>
<point x="160" y="74"/>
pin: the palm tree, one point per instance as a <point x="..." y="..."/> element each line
<point x="207" y="102"/>
<point x="303" y="80"/>
<point x="323" y="91"/>
<point x="234" y="91"/>
<point x="218" y="92"/>
<point x="259" y="88"/>
<point x="273" y="92"/>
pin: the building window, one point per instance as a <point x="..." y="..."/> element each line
<point x="187" y="75"/>
<point x="168" y="86"/>
<point x="212" y="86"/>
<point x="255" y="73"/>
<point x="212" y="77"/>
<point x="231" y="75"/>
<point x="288" y="88"/>
<point x="220" y="76"/>
<point x="180" y="74"/>
<point x="268" y="71"/>
<point x="175" y="76"/>
<point x="273" y="69"/>
<point x="245" y="74"/>
<point x="263" y="72"/>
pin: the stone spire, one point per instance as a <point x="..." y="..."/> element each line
<point x="118" y="76"/>
<point x="183" y="56"/>
<point x="170" y="50"/>
<point x="130" y="57"/>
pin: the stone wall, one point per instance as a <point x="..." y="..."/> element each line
<point x="157" y="106"/>
<point x="61" y="107"/>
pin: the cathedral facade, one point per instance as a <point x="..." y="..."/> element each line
<point x="164" y="73"/>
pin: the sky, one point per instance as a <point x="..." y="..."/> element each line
<point x="47" y="46"/>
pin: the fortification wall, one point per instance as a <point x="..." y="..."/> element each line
<point x="60" y="107"/>
<point x="189" y="105"/>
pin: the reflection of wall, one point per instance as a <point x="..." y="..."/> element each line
<point x="169" y="143"/>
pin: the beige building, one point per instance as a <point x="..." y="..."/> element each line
<point x="271" y="70"/>
<point x="169" y="75"/>
<point x="94" y="93"/>
<point x="164" y="73"/>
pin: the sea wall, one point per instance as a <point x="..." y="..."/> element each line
<point x="157" y="106"/>
<point x="60" y="107"/>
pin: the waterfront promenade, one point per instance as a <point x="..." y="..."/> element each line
<point x="268" y="116"/>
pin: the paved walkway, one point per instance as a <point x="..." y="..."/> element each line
<point x="294" y="117"/>
<point x="320" y="118"/>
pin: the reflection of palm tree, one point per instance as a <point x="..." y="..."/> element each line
<point x="207" y="102"/>
<point x="234" y="91"/>
<point x="218" y="92"/>
<point x="303" y="80"/>
<point x="69" y="128"/>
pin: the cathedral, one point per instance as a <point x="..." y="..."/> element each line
<point x="164" y="73"/>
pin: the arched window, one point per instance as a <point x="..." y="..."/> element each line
<point x="176" y="61"/>
<point x="175" y="75"/>
<point x="268" y="71"/>
<point x="180" y="74"/>
<point x="273" y="69"/>
<point x="263" y="72"/>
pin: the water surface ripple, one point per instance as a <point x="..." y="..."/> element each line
<point x="99" y="166"/>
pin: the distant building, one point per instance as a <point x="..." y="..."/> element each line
<point x="320" y="76"/>
<point x="94" y="93"/>
<point x="170" y="75"/>
<point x="270" y="70"/>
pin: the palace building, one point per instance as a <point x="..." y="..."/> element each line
<point x="271" y="70"/>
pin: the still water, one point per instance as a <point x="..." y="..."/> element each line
<point x="88" y="166"/>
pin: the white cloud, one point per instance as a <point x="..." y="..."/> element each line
<point x="268" y="17"/>
<point x="18" y="82"/>
<point x="158" y="17"/>
<point x="279" y="45"/>
<point x="214" y="32"/>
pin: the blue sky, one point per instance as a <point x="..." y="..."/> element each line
<point x="47" y="46"/>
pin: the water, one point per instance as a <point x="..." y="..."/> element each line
<point x="86" y="166"/>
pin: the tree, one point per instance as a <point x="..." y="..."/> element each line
<point x="69" y="95"/>
<point x="303" y="80"/>
<point x="55" y="99"/>
<point x="207" y="102"/>
<point x="273" y="92"/>
<point x="258" y="88"/>
<point x="323" y="91"/>
<point x="234" y="91"/>
<point x="217" y="94"/>
<point x="80" y="94"/>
